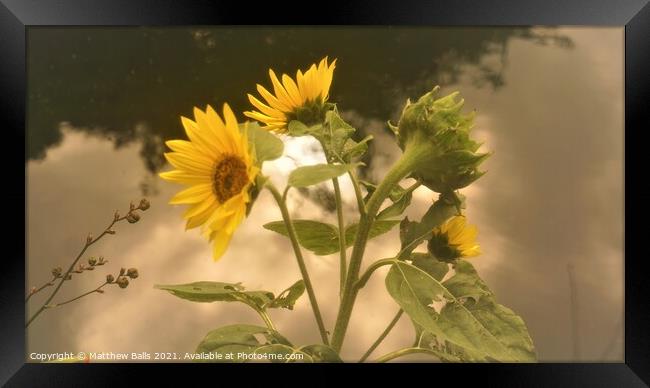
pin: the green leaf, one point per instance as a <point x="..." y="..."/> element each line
<point x="311" y="175"/>
<point x="266" y="145"/>
<point x="288" y="297"/>
<point x="318" y="237"/>
<point x="483" y="328"/>
<point x="296" y="128"/>
<point x="429" y="264"/>
<point x="378" y="228"/>
<point x="466" y="283"/>
<point x="336" y="134"/>
<point x="321" y="353"/>
<point x="353" y="149"/>
<point x="322" y="238"/>
<point x="397" y="208"/>
<point x="207" y="292"/>
<point x="235" y="339"/>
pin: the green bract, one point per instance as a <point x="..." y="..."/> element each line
<point x="436" y="130"/>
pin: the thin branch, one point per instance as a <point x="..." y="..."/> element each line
<point x="382" y="336"/>
<point x="98" y="289"/>
<point x="41" y="288"/>
<point x="89" y="241"/>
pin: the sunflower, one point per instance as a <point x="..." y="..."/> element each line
<point x="303" y="99"/>
<point x="219" y="168"/>
<point x="454" y="239"/>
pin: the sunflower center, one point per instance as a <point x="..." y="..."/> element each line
<point x="440" y="247"/>
<point x="230" y="177"/>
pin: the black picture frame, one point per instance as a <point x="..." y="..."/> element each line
<point x="16" y="16"/>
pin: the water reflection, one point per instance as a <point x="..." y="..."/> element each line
<point x="553" y="195"/>
<point x="115" y="79"/>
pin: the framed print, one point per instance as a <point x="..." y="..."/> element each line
<point x="410" y="186"/>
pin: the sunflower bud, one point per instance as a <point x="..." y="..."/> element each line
<point x="132" y="273"/>
<point x="123" y="281"/>
<point x="133" y="218"/>
<point x="435" y="130"/>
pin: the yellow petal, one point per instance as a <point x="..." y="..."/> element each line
<point x="220" y="244"/>
<point x="267" y="110"/>
<point x="292" y="89"/>
<point x="272" y="100"/>
<point x="201" y="218"/>
<point x="200" y="207"/>
<point x="454" y="227"/>
<point x="280" y="92"/>
<point x="193" y="194"/>
<point x="263" y="118"/>
<point x="186" y="162"/>
<point x="179" y="176"/>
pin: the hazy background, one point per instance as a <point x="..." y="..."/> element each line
<point x="103" y="101"/>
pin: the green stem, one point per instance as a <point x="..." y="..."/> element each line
<point x="267" y="319"/>
<point x="372" y="268"/>
<point x="404" y="352"/>
<point x="291" y="231"/>
<point x="357" y="192"/>
<point x="342" y="242"/>
<point x="383" y="335"/>
<point x="411" y="157"/>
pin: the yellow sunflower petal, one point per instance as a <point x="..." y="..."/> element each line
<point x="279" y="90"/>
<point x="194" y="133"/>
<point x="193" y="194"/>
<point x="267" y="110"/>
<point x="189" y="163"/>
<point x="178" y="176"/>
<point x="220" y="244"/>
<point x="472" y="252"/>
<point x="292" y="89"/>
<point x="272" y="100"/>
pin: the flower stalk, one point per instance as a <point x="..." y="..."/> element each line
<point x="410" y="159"/>
<point x="279" y="198"/>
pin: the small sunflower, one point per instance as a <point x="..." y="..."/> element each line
<point x="303" y="99"/>
<point x="219" y="168"/>
<point x="454" y="239"/>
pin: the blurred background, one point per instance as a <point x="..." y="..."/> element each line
<point x="102" y="101"/>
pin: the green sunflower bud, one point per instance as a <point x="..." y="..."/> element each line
<point x="435" y="129"/>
